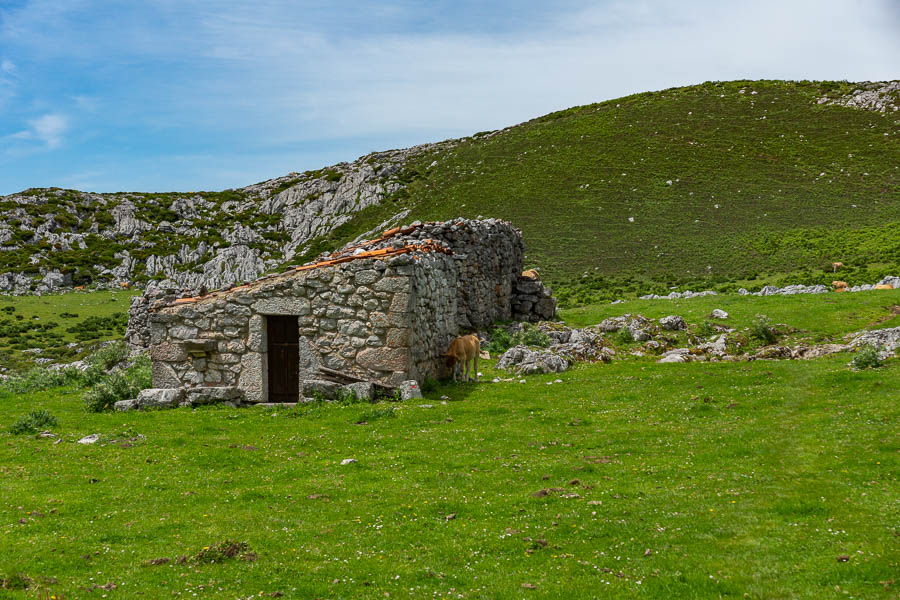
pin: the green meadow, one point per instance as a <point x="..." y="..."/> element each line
<point x="763" y="479"/>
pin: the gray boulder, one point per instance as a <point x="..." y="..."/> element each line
<point x="525" y="361"/>
<point x="319" y="388"/>
<point x="213" y="395"/>
<point x="364" y="390"/>
<point x="718" y="313"/>
<point x="158" y="398"/>
<point x="409" y="389"/>
<point x="672" y="323"/>
<point x="123" y="405"/>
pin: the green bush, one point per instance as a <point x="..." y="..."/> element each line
<point x="121" y="385"/>
<point x="501" y="341"/>
<point x="705" y="329"/>
<point x="529" y="335"/>
<point x="624" y="336"/>
<point x="867" y="358"/>
<point x="39" y="379"/>
<point x="33" y="422"/>
<point x="762" y="329"/>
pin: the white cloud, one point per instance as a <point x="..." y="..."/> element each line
<point x="47" y="129"/>
<point x="7" y="66"/>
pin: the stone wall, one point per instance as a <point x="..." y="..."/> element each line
<point x="489" y="255"/>
<point x="381" y="320"/>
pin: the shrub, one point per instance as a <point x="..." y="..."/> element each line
<point x="867" y="358"/>
<point x="38" y="379"/>
<point x="33" y="422"/>
<point x="705" y="329"/>
<point x="121" y="385"/>
<point x="529" y="335"/>
<point x="762" y="329"/>
<point x="624" y="336"/>
<point x="500" y="342"/>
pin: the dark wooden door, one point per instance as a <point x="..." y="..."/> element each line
<point x="284" y="358"/>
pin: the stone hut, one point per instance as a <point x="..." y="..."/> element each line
<point x="381" y="311"/>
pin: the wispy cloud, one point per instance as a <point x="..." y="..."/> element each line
<point x="226" y="81"/>
<point x="48" y="130"/>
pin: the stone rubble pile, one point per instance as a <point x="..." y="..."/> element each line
<point x="771" y="290"/>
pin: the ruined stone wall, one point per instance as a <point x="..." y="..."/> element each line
<point x="375" y="319"/>
<point x="489" y="257"/>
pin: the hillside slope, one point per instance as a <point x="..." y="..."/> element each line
<point x="706" y="184"/>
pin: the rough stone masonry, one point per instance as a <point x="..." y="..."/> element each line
<point x="382" y="311"/>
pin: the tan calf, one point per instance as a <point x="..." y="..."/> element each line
<point x="462" y="350"/>
<point x="839" y="286"/>
<point x="884" y="286"/>
<point x="531" y="274"/>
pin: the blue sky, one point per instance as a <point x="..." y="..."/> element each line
<point x="160" y="95"/>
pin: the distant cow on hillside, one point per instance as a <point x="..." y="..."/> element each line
<point x="835" y="266"/>
<point x="462" y="350"/>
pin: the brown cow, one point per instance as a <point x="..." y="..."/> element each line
<point x="839" y="286"/>
<point x="835" y="266"/>
<point x="884" y="286"/>
<point x="462" y="350"/>
<point x="531" y="274"/>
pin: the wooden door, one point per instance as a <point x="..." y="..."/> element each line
<point x="284" y="358"/>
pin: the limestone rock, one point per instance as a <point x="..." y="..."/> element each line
<point x="672" y="323"/>
<point x="525" y="361"/>
<point x="159" y="397"/>
<point x="409" y="389"/>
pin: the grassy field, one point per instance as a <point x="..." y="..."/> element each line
<point x="52" y="322"/>
<point x="627" y="480"/>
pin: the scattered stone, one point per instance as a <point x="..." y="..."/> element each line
<point x="718" y="313"/>
<point x="90" y="439"/>
<point x="672" y="323"/>
<point x="124" y="405"/>
<point x="349" y="461"/>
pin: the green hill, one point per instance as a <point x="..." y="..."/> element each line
<point x="720" y="181"/>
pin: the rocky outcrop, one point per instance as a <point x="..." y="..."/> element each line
<point x="210" y="239"/>
<point x="527" y="361"/>
<point x="878" y="96"/>
<point x="887" y="341"/>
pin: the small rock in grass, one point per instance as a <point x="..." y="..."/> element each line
<point x="123" y="405"/>
<point x="349" y="461"/>
<point x="90" y="439"/>
<point x="409" y="389"/>
<point x="719" y="314"/>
